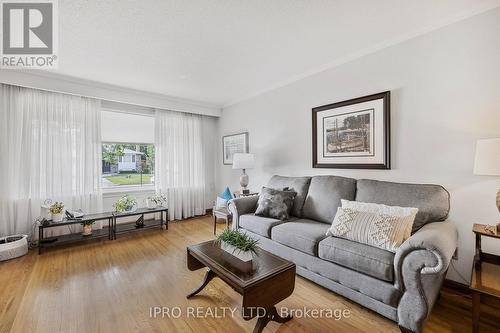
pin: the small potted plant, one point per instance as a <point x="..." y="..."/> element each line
<point x="240" y="245"/>
<point x="87" y="228"/>
<point x="125" y="204"/>
<point x="57" y="211"/>
<point x="155" y="201"/>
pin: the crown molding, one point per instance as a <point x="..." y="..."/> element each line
<point x="50" y="81"/>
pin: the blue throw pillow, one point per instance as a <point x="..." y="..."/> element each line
<point x="226" y="194"/>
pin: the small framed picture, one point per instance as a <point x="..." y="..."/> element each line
<point x="352" y="134"/>
<point x="231" y="144"/>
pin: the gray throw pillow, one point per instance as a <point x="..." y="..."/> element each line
<point x="275" y="203"/>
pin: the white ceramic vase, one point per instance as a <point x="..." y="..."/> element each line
<point x="44" y="212"/>
<point x="498" y="200"/>
<point x="150" y="204"/>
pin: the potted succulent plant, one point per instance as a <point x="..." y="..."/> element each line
<point x="240" y="245"/>
<point x="125" y="204"/>
<point x="87" y="228"/>
<point x="155" y="200"/>
<point x="57" y="211"/>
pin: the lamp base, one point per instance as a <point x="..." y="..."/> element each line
<point x="498" y="200"/>
<point x="244" y="181"/>
<point x="498" y="206"/>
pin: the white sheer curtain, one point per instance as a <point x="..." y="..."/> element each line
<point x="50" y="147"/>
<point x="180" y="165"/>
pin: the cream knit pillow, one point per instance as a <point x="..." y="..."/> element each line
<point x="386" y="229"/>
<point x="369" y="207"/>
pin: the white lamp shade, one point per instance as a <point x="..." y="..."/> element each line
<point x="487" y="160"/>
<point x="243" y="161"/>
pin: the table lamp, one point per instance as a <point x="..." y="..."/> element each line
<point x="243" y="161"/>
<point x="487" y="161"/>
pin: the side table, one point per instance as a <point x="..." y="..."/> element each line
<point x="485" y="279"/>
<point x="239" y="194"/>
<point x="221" y="213"/>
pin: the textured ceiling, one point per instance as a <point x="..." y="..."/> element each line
<point x="222" y="51"/>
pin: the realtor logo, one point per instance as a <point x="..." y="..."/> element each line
<point x="29" y="34"/>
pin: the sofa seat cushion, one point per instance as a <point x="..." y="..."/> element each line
<point x="303" y="235"/>
<point x="258" y="224"/>
<point x="362" y="258"/>
<point x="323" y="197"/>
<point x="350" y="283"/>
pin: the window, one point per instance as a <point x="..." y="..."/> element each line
<point x="128" y="147"/>
<point x="127" y="164"/>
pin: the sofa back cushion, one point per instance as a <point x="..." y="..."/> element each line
<point x="324" y="196"/>
<point x="432" y="201"/>
<point x="300" y="185"/>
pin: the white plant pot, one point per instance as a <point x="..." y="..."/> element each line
<point x="57" y="217"/>
<point x="131" y="209"/>
<point x="243" y="256"/>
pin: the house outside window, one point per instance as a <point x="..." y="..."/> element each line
<point x="127" y="164"/>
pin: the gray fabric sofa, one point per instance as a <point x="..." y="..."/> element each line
<point x="401" y="286"/>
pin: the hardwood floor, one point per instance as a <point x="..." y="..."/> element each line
<point x="107" y="286"/>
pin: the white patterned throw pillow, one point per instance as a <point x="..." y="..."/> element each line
<point x="384" y="229"/>
<point x="408" y="212"/>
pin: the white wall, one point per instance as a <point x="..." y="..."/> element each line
<point x="445" y="90"/>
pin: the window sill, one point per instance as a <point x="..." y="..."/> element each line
<point x="118" y="191"/>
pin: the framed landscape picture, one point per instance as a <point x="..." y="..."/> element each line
<point x="231" y="144"/>
<point x="353" y="134"/>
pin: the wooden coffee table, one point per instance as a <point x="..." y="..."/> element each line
<point x="269" y="280"/>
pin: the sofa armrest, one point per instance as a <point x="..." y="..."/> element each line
<point x="420" y="266"/>
<point x="240" y="206"/>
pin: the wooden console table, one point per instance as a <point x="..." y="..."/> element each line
<point x="485" y="279"/>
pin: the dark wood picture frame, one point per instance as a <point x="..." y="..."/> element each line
<point x="246" y="145"/>
<point x="385" y="96"/>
